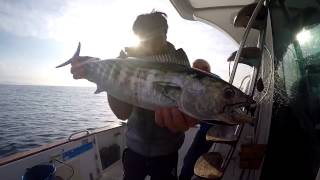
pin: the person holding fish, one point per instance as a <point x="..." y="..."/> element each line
<point x="199" y="145"/>
<point x="153" y="137"/>
<point x="154" y="87"/>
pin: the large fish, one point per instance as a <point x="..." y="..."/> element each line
<point x="150" y="85"/>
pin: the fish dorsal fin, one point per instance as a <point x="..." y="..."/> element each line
<point x="76" y="54"/>
<point x="168" y="89"/>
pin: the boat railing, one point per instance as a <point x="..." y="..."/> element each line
<point x="244" y="39"/>
<point x="239" y="128"/>
<point x="79" y="132"/>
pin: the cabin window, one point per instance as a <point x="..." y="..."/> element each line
<point x="299" y="63"/>
<point x="294" y="144"/>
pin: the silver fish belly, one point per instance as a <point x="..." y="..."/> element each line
<point x="150" y="85"/>
<point x="133" y="81"/>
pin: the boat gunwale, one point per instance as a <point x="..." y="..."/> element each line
<point x="45" y="147"/>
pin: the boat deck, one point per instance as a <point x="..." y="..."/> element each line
<point x="115" y="171"/>
<point x="85" y="156"/>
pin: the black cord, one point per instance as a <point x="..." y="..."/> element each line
<point x="68" y="167"/>
<point x="229" y="69"/>
<point x="241" y="174"/>
<point x="249" y="173"/>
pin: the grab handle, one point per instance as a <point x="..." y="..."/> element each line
<point x="71" y="135"/>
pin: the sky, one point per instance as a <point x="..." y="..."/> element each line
<point x="37" y="35"/>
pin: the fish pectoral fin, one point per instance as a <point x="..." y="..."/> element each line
<point x="99" y="89"/>
<point x="168" y="89"/>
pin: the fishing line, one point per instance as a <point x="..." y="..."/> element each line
<point x="68" y="167"/>
<point x="271" y="76"/>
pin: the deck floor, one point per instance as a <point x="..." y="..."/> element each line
<point x="115" y="171"/>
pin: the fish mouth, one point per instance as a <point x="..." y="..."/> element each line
<point x="230" y="107"/>
<point x="237" y="113"/>
<point x="232" y="114"/>
<point x="240" y="116"/>
<point x="231" y="117"/>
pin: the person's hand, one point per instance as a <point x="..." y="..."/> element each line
<point x="174" y="119"/>
<point x="77" y="66"/>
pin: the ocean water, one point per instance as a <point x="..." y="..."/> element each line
<point x="31" y="116"/>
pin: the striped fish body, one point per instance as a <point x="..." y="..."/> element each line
<point x="153" y="82"/>
<point x="136" y="81"/>
<point x="151" y="85"/>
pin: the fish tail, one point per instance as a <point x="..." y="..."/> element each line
<point x="76" y="54"/>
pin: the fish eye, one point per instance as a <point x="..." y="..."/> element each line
<point x="228" y="93"/>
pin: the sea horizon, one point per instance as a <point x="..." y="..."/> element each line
<point x="22" y="84"/>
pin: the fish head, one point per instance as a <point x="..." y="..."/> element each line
<point x="232" y="97"/>
<point x="211" y="98"/>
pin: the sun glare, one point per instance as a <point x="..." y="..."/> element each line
<point x="303" y="36"/>
<point x="102" y="30"/>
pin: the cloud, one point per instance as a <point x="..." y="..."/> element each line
<point x="104" y="27"/>
<point x="99" y="21"/>
<point x="99" y="24"/>
<point x="29" y="18"/>
<point x="60" y="20"/>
